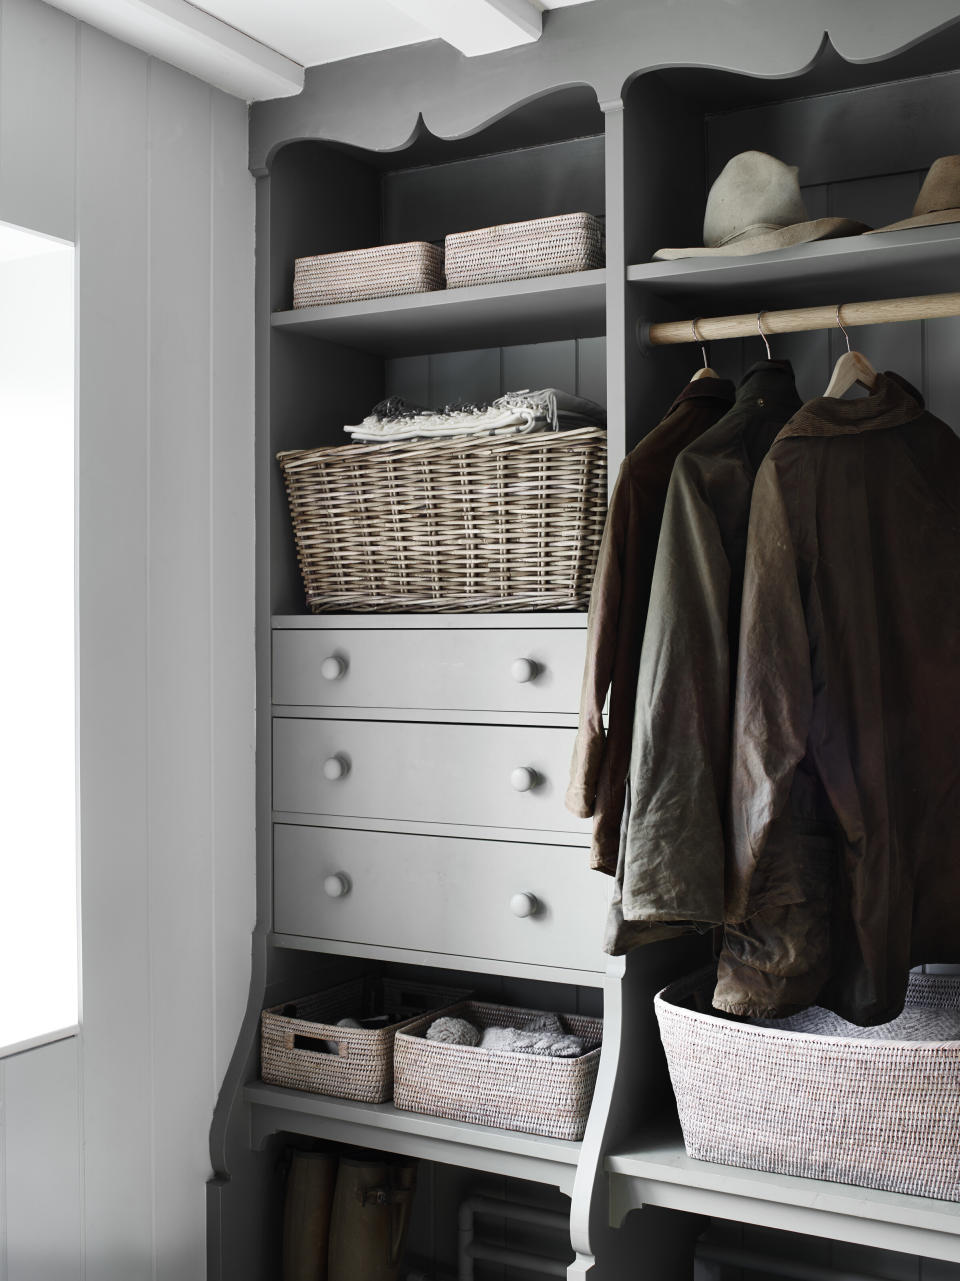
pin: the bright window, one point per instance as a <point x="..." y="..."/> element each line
<point x="39" y="987"/>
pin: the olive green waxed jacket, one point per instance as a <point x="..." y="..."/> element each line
<point x="672" y="853"/>
<point x="618" y="610"/>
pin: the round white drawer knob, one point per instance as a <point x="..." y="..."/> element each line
<point x="523" y="670"/>
<point x="524" y="905"/>
<point x="337" y="885"/>
<point x="332" y="668"/>
<point x="523" y="779"/>
<point x="336" y="767"/>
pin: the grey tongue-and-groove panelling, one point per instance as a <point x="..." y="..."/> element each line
<point x="103" y="1138"/>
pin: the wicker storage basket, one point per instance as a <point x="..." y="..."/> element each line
<point x="301" y="1046"/>
<point x="528" y="1092"/>
<point x="520" y="250"/>
<point x="381" y="272"/>
<point x="875" y="1113"/>
<point x="469" y="524"/>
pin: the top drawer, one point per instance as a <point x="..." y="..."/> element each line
<point x="461" y="669"/>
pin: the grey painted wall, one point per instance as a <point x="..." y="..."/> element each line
<point x="103" y="1139"/>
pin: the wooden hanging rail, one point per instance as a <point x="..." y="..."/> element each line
<point x="800" y="319"/>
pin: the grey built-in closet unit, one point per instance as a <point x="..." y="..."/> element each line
<point x="628" y="111"/>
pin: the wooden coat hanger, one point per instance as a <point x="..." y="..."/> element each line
<point x="706" y="371"/>
<point x="851" y="368"/>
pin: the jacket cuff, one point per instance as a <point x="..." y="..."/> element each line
<point x="603" y="863"/>
<point x="579" y="801"/>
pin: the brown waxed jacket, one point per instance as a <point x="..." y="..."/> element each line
<point x="673" y="847"/>
<point x="850" y="670"/>
<point x="618" y="610"/>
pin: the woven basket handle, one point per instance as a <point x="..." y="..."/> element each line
<point x="315" y="1044"/>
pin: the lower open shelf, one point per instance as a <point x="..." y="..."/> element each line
<point x="384" y="1127"/>
<point x="659" y="1172"/>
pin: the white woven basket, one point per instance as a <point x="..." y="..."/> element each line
<point x="382" y="272"/>
<point x="875" y="1113"/>
<point x="529" y="1092"/>
<point x="521" y="250"/>
<point x="302" y="1047"/>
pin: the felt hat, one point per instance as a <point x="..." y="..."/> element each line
<point x="755" y="205"/>
<point x="939" y="199"/>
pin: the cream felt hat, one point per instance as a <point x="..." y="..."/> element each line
<point x="939" y="198"/>
<point x="755" y="205"/>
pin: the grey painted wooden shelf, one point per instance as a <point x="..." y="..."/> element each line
<point x="659" y="1172"/>
<point x="519" y="311"/>
<point x="920" y="260"/>
<point x="383" y="1126"/>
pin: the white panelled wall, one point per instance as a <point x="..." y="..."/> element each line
<point x="103" y="1138"/>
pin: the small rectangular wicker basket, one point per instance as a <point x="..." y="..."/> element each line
<point x="302" y="1048"/>
<point x="356" y="274"/>
<point x="874" y="1113"/>
<point x="529" y="1092"/>
<point x="521" y="250"/>
<point x="471" y="524"/>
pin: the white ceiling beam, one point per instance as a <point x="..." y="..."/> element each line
<point x="477" y="26"/>
<point x="182" y="34"/>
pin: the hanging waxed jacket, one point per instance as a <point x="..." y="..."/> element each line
<point x="618" y="610"/>
<point x="673" y="846"/>
<point x="849" y="668"/>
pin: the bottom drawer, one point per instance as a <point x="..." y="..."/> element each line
<point x="537" y="904"/>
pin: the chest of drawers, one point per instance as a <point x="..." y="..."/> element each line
<point x="418" y="782"/>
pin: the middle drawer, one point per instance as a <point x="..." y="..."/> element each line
<point x="479" y="775"/>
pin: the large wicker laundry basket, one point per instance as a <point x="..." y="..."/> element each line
<point x="462" y="524"/>
<point x="529" y="1092"/>
<point x="875" y="1113"/>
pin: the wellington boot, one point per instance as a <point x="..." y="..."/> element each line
<point x="306" y="1215"/>
<point x="371" y="1212"/>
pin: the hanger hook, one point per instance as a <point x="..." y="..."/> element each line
<point x="703" y="345"/>
<point x="763" y="336"/>
<point x="840" y="324"/>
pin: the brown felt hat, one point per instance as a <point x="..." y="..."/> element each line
<point x="939" y="199"/>
<point x="755" y="205"/>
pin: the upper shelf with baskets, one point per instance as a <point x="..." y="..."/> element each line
<point x="545" y="308"/>
<point x="545" y="161"/>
